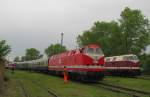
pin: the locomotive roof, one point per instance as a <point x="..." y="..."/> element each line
<point x="93" y="45"/>
<point x="122" y="55"/>
<point x="74" y="51"/>
<point x="118" y="58"/>
<point x="31" y="61"/>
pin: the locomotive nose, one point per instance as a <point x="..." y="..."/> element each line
<point x="95" y="59"/>
<point x="98" y="59"/>
<point x="96" y="54"/>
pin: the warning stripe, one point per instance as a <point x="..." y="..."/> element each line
<point x="122" y="67"/>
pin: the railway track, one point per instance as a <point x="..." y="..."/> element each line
<point x="51" y="93"/>
<point x="142" y="77"/>
<point x="24" y="90"/>
<point x="120" y="89"/>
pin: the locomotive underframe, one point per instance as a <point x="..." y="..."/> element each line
<point x="81" y="75"/>
<point x="123" y="72"/>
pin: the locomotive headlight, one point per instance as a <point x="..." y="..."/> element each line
<point x="95" y="61"/>
<point x="95" y="57"/>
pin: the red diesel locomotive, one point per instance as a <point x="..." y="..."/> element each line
<point x="124" y="65"/>
<point x="85" y="64"/>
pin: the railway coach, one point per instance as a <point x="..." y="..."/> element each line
<point x="33" y="65"/>
<point x="124" y="65"/>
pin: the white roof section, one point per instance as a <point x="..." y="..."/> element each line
<point x="119" y="58"/>
<point x="33" y="61"/>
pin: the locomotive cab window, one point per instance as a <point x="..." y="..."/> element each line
<point x="94" y="51"/>
<point x="132" y="58"/>
<point x="128" y="58"/>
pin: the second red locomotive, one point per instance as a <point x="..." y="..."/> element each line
<point x="124" y="65"/>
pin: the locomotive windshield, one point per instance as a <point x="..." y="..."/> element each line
<point x="96" y="51"/>
<point x="90" y="50"/>
<point x="131" y="58"/>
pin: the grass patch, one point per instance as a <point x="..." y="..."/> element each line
<point x="139" y="84"/>
<point x="55" y="84"/>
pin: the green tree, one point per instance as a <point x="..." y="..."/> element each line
<point x="54" y="49"/>
<point x="4" y="50"/>
<point x="17" y="59"/>
<point x="23" y="58"/>
<point x="107" y="34"/>
<point x="32" y="54"/>
<point x="128" y="35"/>
<point x="135" y="31"/>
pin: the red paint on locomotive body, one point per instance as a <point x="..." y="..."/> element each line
<point x="127" y="64"/>
<point x="87" y="59"/>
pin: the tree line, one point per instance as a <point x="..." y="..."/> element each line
<point x="33" y="53"/>
<point x="129" y="34"/>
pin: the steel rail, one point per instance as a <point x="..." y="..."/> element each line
<point x="51" y="93"/>
<point x="141" y="77"/>
<point x="23" y="88"/>
<point x="115" y="88"/>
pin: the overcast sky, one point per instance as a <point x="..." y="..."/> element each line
<point x="38" y="23"/>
